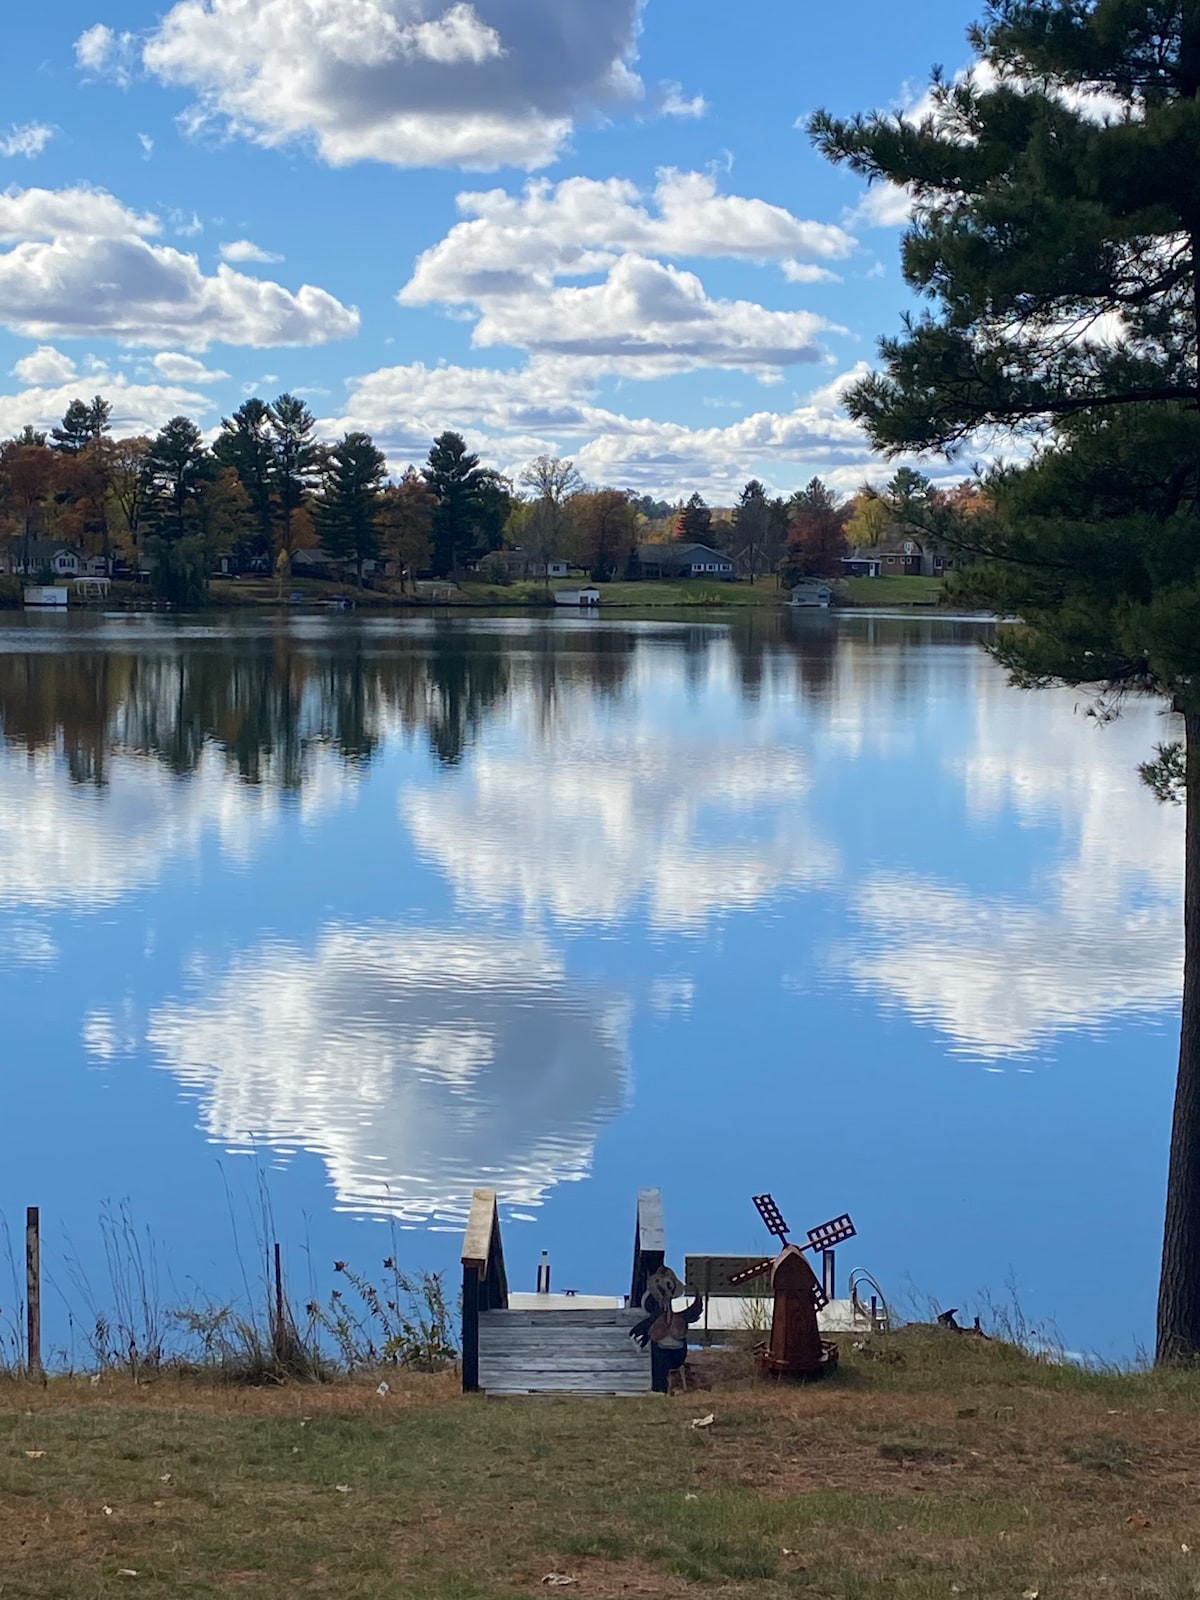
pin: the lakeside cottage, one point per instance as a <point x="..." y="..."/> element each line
<point x="899" y="558"/>
<point x="32" y="557"/>
<point x="684" y="561"/>
<point x="523" y="564"/>
<point x="315" y="562"/>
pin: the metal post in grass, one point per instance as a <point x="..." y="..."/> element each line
<point x="33" y="1291"/>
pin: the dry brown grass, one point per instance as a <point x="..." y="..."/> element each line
<point x="963" y="1467"/>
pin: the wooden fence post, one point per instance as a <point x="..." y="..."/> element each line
<point x="278" y="1341"/>
<point x="33" y="1291"/>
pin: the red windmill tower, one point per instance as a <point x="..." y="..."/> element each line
<point x="796" y="1348"/>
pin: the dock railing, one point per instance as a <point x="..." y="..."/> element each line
<point x="649" y="1242"/>
<point x="485" y="1286"/>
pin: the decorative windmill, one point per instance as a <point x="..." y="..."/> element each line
<point x="796" y="1348"/>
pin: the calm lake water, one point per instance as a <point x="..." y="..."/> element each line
<point x="364" y="913"/>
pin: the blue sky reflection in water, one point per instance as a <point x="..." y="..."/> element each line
<point x="810" y="903"/>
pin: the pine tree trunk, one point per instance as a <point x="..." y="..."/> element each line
<point x="1179" y="1287"/>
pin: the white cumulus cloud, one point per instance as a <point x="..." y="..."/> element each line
<point x="549" y="406"/>
<point x="45" y="365"/>
<point x="82" y="264"/>
<point x="137" y="407"/>
<point x="408" y="82"/>
<point x="508" y="261"/>
<point x="648" y="318"/>
<point x="511" y="245"/>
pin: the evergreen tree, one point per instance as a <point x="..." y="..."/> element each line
<point x="694" y="525"/>
<point x="751" y="523"/>
<point x="1059" y="249"/>
<point x="176" y="470"/>
<point x="459" y="482"/>
<point x="653" y="510"/>
<point x="84" y="422"/>
<point x="348" y="510"/>
<point x="493" y="504"/>
<point x="247" y="443"/>
<point x="296" y="461"/>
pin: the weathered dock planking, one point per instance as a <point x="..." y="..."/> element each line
<point x="561" y="1352"/>
<point x="554" y="1350"/>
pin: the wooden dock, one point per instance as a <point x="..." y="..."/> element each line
<point x="544" y="1344"/>
<point x="535" y="1350"/>
<point x="561" y="1352"/>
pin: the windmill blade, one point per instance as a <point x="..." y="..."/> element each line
<point x="755" y="1271"/>
<point x="820" y="1298"/>
<point x="836" y="1231"/>
<point x="771" y="1215"/>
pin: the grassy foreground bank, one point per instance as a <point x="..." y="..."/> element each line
<point x="944" y="1465"/>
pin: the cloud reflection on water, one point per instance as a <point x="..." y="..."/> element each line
<point x="416" y="1063"/>
<point x="588" y="827"/>
<point x="66" y="845"/>
<point x="1097" y="934"/>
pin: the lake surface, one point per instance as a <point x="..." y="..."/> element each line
<point x="358" y="914"/>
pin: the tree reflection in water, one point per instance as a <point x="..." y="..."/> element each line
<point x="268" y="697"/>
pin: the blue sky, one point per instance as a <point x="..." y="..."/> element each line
<point x="573" y="226"/>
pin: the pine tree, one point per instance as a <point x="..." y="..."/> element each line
<point x="1056" y="236"/>
<point x="247" y="443"/>
<point x="694" y="525"/>
<point x="348" y="510"/>
<point x="295" y="466"/>
<point x="84" y="422"/>
<point x="458" y="481"/>
<point x="176" y="472"/>
<point x="174" y="468"/>
<point x="752" y="521"/>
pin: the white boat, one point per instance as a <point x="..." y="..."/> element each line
<point x="577" y="597"/>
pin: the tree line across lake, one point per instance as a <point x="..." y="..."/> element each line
<point x="268" y="489"/>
